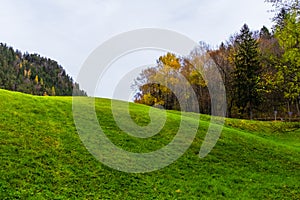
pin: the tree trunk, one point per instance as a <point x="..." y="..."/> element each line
<point x="298" y="110"/>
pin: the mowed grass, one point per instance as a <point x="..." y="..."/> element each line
<point x="42" y="156"/>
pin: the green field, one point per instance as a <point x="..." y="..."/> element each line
<point x="42" y="157"/>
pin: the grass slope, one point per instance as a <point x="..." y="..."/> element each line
<point x="42" y="157"/>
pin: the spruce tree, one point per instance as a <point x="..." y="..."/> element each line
<point x="246" y="74"/>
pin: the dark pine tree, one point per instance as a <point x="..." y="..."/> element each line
<point x="246" y="74"/>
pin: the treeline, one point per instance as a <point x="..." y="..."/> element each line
<point x="33" y="74"/>
<point x="260" y="71"/>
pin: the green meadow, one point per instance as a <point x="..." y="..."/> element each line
<point x="42" y="156"/>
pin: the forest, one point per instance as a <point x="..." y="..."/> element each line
<point x="260" y="71"/>
<point x="33" y="74"/>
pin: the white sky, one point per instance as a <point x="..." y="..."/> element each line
<point x="69" y="30"/>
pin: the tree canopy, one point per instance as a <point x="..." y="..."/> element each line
<point x="33" y="74"/>
<point x="260" y="70"/>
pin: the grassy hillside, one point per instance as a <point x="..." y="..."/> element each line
<point x="42" y="157"/>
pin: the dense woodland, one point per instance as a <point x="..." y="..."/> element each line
<point x="33" y="74"/>
<point x="260" y="71"/>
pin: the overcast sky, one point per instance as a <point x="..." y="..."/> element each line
<point x="69" y="30"/>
